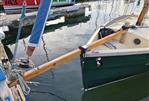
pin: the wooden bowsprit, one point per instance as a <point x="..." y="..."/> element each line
<point x="64" y="58"/>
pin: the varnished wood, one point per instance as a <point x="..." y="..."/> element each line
<point x="64" y="58"/>
<point x="143" y="12"/>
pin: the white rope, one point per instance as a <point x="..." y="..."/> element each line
<point x="142" y="26"/>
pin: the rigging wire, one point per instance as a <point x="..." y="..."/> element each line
<point x="25" y="88"/>
<point x="19" y="30"/>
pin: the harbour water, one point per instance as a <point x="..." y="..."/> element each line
<point x="64" y="83"/>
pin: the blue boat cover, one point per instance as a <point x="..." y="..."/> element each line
<point x="2" y="74"/>
<point x="39" y="25"/>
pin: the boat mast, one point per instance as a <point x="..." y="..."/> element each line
<point x="143" y="12"/>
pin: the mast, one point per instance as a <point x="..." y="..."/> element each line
<point x="143" y="12"/>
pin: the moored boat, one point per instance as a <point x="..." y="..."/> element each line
<point x="15" y="6"/>
<point x="118" y="70"/>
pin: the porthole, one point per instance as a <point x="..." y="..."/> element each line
<point x="137" y="41"/>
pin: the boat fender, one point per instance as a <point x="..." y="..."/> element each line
<point x="104" y="32"/>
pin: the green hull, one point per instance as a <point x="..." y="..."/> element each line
<point x="129" y="89"/>
<point x="119" y="78"/>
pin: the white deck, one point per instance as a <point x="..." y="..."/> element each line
<point x="124" y="45"/>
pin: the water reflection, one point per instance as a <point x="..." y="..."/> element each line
<point x="47" y="56"/>
<point x="12" y="34"/>
<point x="69" y="22"/>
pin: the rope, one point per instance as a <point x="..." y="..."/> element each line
<point x="25" y="88"/>
<point x="142" y="26"/>
<point x="135" y="27"/>
<point x="19" y="30"/>
<point x="15" y="74"/>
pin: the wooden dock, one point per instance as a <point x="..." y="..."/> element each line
<point x="70" y="11"/>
